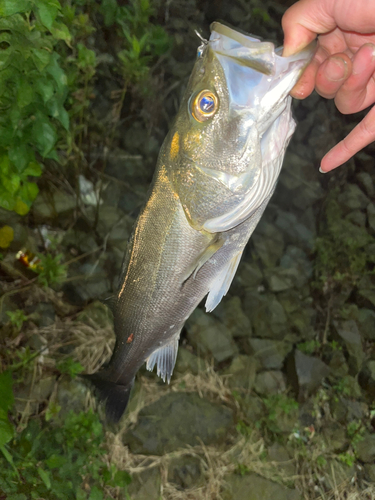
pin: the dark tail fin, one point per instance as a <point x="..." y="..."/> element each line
<point x="114" y="395"/>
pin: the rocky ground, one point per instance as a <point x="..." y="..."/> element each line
<point x="273" y="392"/>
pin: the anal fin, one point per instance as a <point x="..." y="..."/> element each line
<point x="165" y="359"/>
<point x="222" y="282"/>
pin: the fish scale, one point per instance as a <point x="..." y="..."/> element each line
<point x="216" y="171"/>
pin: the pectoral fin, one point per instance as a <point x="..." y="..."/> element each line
<point x="204" y="257"/>
<point x="222" y="282"/>
<point x="165" y="359"/>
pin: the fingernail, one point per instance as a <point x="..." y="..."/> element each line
<point x="336" y="69"/>
<point x="321" y="171"/>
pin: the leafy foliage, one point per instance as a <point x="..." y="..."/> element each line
<point x="33" y="89"/>
<point x="50" y="270"/>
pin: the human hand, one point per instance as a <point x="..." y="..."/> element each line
<point x="343" y="67"/>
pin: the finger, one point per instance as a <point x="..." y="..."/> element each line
<point x="332" y="74"/>
<point x="303" y="21"/>
<point x="362" y="135"/>
<point x="358" y="91"/>
<point x="306" y="83"/>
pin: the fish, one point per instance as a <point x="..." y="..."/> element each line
<point x="216" y="172"/>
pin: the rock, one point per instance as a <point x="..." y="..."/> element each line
<point x="254" y="487"/>
<point x="280" y="279"/>
<point x="270" y="353"/>
<point x="370" y="472"/>
<point x="335" y="437"/>
<point x="34" y="394"/>
<point x="366" y="323"/>
<point x="176" y="420"/>
<point x="338" y="365"/>
<point x="368" y="294"/>
<point x="241" y="373"/>
<point x="367" y="378"/>
<point x="114" y="225"/>
<point x="296" y="232"/>
<point x="145" y="485"/>
<point x="348" y="331"/>
<point x="186" y="472"/>
<point x="81" y="241"/>
<point x="71" y="395"/>
<point x="305" y="373"/>
<point x="351" y="197"/>
<point x="252" y="408"/>
<point x="230" y="313"/>
<point x="300" y="313"/>
<point x="97" y="315"/>
<point x="266" y="314"/>
<point x="188" y="362"/>
<point x="357" y="217"/>
<point x="279" y="453"/>
<point x="371" y="216"/>
<point x="94" y="284"/>
<point x="47" y="207"/>
<point x="345" y="410"/>
<point x="268" y="242"/>
<point x="249" y="275"/>
<point x="270" y="382"/>
<point x="43" y="314"/>
<point x="366" y="183"/>
<point x="335" y="473"/>
<point x="366" y="449"/>
<point x="210" y="337"/>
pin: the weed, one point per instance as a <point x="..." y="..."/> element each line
<point x="347" y="458"/>
<point x="278" y="406"/>
<point x="50" y="269"/>
<point x="17" y="318"/>
<point x="70" y="367"/>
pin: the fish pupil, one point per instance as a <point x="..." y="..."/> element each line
<point x="207" y="104"/>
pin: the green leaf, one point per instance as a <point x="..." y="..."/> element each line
<point x="61" y="32"/>
<point x="45" y="477"/>
<point x="95" y="494"/>
<point x="10" y="7"/>
<point x="28" y="192"/>
<point x="55" y="461"/>
<point x="40" y="58"/>
<point x="25" y="93"/>
<point x="11" y="182"/>
<point x="7" y="200"/>
<point x="57" y="73"/>
<point x="122" y="478"/>
<point x="44" y="135"/>
<point x="6" y="432"/>
<point x="45" y="88"/>
<point x="58" y="112"/>
<point x="33" y="168"/>
<point x="6" y="391"/>
<point x="20" y="155"/>
<point x="48" y="10"/>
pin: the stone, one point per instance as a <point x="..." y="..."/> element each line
<point x="270" y="353"/>
<point x="270" y="382"/>
<point x="268" y="242"/>
<point x="335" y="437"/>
<point x="280" y="279"/>
<point x="44" y="314"/>
<point x="188" y="362"/>
<point x="145" y="485"/>
<point x="254" y="487"/>
<point x="335" y="473"/>
<point x="47" y="207"/>
<point x="210" y="337"/>
<point x="177" y="420"/>
<point x="348" y="331"/>
<point x="279" y="453"/>
<point x="305" y="373"/>
<point x="97" y="315"/>
<point x="366" y="323"/>
<point x="370" y="472"/>
<point x="94" y="284"/>
<point x="345" y="410"/>
<point x="371" y="216"/>
<point x="357" y="217"/>
<point x="249" y="275"/>
<point x="252" y="408"/>
<point x="266" y="314"/>
<point x="366" y="449"/>
<point x="366" y="182"/>
<point x="338" y="365"/>
<point x="368" y="294"/>
<point x="81" y="241"/>
<point x="71" y="395"/>
<point x="230" y="313"/>
<point x="186" y="472"/>
<point x="352" y="197"/>
<point x="241" y="373"/>
<point x="367" y="378"/>
<point x="296" y="232"/>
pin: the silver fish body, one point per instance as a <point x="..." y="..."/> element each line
<point x="216" y="172"/>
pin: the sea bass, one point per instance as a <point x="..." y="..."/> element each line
<point x="216" y="172"/>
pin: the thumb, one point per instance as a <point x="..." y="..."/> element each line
<point x="303" y="21"/>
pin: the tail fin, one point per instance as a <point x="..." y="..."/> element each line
<point x="115" y="396"/>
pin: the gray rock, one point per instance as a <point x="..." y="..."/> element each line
<point x="305" y="373"/>
<point x="300" y="313"/>
<point x="367" y="378"/>
<point x="94" y="284"/>
<point x="368" y="294"/>
<point x="47" y="207"/>
<point x="210" y="337"/>
<point x="230" y="313"/>
<point x="357" y="217"/>
<point x="352" y="197"/>
<point x="280" y="454"/>
<point x="71" y="395"/>
<point x="241" y="373"/>
<point x="44" y="314"/>
<point x="268" y="242"/>
<point x="348" y="331"/>
<point x="338" y="365"/>
<point x="335" y="473"/>
<point x="366" y="449"/>
<point x="254" y="487"/>
<point x="270" y="353"/>
<point x="296" y="232"/>
<point x="266" y="314"/>
<point x="186" y="472"/>
<point x="249" y="275"/>
<point x="370" y="472"/>
<point x="270" y="382"/>
<point x="82" y="241"/>
<point x="280" y="279"/>
<point x="145" y="485"/>
<point x="252" y="408"/>
<point x="97" y="315"/>
<point x="176" y="420"/>
<point x="366" y="323"/>
<point x="188" y="362"/>
<point x="335" y="437"/>
<point x="366" y="183"/>
<point x="371" y="216"/>
<point x="115" y="225"/>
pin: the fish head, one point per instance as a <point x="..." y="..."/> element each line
<point x="233" y="127"/>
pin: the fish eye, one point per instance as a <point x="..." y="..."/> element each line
<point x="204" y="105"/>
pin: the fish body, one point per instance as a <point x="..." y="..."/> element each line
<point x="216" y="172"/>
